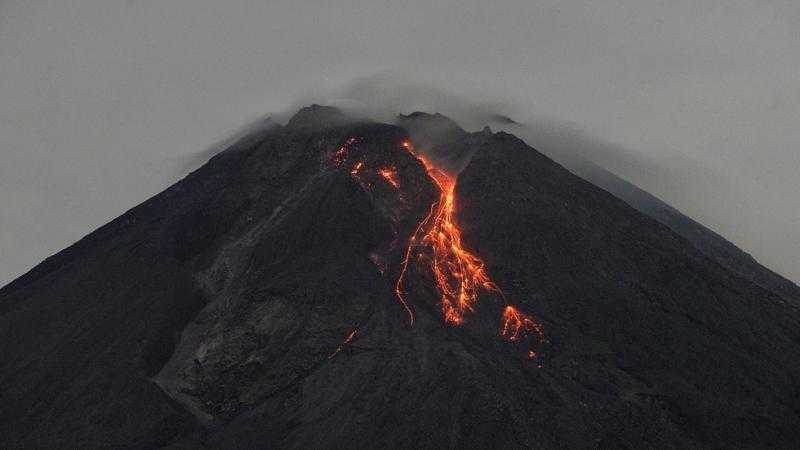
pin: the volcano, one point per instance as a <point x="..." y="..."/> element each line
<point x="341" y="283"/>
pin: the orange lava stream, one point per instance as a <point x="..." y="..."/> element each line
<point x="341" y="153"/>
<point x="516" y="324"/>
<point x="390" y="175"/>
<point x="459" y="274"/>
<point x="356" y="168"/>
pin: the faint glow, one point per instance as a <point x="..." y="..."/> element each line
<point x="346" y="341"/>
<point x="516" y="325"/>
<point x="341" y="153"/>
<point x="460" y="276"/>
<point x="390" y="175"/>
<point x="356" y="168"/>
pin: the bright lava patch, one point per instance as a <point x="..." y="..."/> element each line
<point x="460" y="275"/>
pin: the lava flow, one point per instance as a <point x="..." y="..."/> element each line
<point x="459" y="274"/>
<point x="390" y="175"/>
<point x="516" y="325"/>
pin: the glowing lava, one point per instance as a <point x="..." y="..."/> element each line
<point x="346" y="341"/>
<point x="390" y="175"/>
<point x="341" y="153"/>
<point x="516" y="325"/>
<point x="459" y="274"/>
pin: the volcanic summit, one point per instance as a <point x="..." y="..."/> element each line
<point x="337" y="282"/>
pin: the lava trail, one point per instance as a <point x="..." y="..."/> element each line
<point x="459" y="274"/>
<point x="516" y="326"/>
<point x="346" y="341"/>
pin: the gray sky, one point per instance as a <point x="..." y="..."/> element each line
<point x="104" y="103"/>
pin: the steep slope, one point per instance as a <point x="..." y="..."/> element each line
<point x="85" y="332"/>
<point x="256" y="303"/>
<point x="708" y="242"/>
<point x="577" y="151"/>
<point x="637" y="315"/>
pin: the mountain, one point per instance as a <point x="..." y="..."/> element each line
<point x="333" y="283"/>
<point x="707" y="241"/>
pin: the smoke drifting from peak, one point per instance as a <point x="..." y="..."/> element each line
<point x="384" y="96"/>
<point x="759" y="223"/>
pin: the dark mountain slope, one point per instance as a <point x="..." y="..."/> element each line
<point x="576" y="151"/>
<point x="253" y="304"/>
<point x="710" y="243"/>
<point x="85" y="330"/>
<point x="636" y="312"/>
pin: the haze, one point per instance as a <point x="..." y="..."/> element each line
<point x="105" y="103"/>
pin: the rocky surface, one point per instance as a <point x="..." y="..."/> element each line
<point x="707" y="241"/>
<point x="253" y="304"/>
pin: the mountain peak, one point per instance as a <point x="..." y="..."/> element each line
<point x="431" y="130"/>
<point x="317" y="116"/>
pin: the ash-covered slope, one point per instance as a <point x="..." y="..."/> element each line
<point x="707" y="241"/>
<point x="577" y="151"/>
<point x="254" y="304"/>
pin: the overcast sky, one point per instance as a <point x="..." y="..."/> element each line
<point x="103" y="103"/>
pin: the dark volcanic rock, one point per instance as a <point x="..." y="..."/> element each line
<point x="317" y="117"/>
<point x="707" y="241"/>
<point x="216" y="313"/>
<point x="641" y="323"/>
